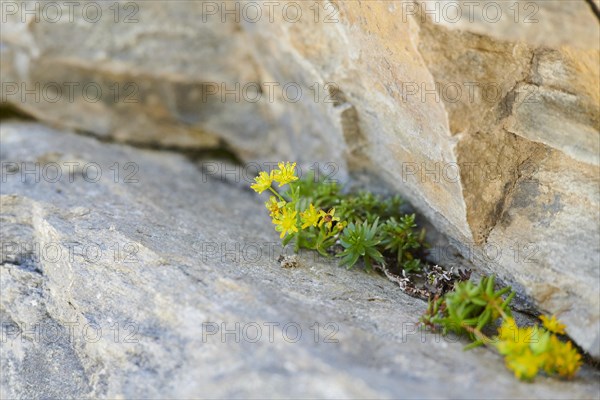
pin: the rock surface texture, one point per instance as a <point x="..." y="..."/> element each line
<point x="489" y="127"/>
<point x="116" y="286"/>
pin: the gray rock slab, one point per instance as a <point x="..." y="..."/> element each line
<point x="157" y="288"/>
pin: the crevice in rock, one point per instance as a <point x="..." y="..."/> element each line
<point x="25" y="262"/>
<point x="223" y="151"/>
<point x="507" y="104"/>
<point x="8" y="112"/>
<point x="594" y="8"/>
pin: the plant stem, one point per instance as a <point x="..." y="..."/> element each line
<point x="276" y="194"/>
<point x="477" y="333"/>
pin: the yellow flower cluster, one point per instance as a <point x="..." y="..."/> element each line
<point x="285" y="222"/>
<point x="553" y="324"/>
<point x="285" y="217"/>
<point x="274" y="206"/>
<point x="263" y="182"/>
<point x="284" y="175"/>
<point x="310" y="217"/>
<point x="528" y="350"/>
<point x="283" y="213"/>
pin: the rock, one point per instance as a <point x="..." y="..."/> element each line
<point x="116" y="286"/>
<point x="491" y="130"/>
<point x="529" y="168"/>
<point x="533" y="22"/>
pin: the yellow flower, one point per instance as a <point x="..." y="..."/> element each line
<point x="274" y="206"/>
<point x="285" y="174"/>
<point x="263" y="182"/>
<point x="508" y="329"/>
<point x="524" y="365"/>
<point x="553" y="324"/>
<point x="530" y="349"/>
<point x="286" y="222"/>
<point x="563" y="358"/>
<point x="516" y="345"/>
<point x="341" y="225"/>
<point x="327" y="218"/>
<point x="512" y="339"/>
<point x="309" y="217"/>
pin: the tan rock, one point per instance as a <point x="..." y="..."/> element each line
<point x="547" y="23"/>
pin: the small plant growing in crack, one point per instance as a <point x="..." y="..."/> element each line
<point x="470" y="308"/>
<point x="315" y="214"/>
<point x="358" y="227"/>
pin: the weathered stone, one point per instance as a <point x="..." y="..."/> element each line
<point x="529" y="159"/>
<point x="139" y="256"/>
<point x="533" y="22"/>
<point x="491" y="130"/>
